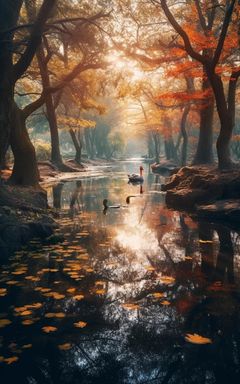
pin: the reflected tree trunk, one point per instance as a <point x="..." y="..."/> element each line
<point x="206" y="249"/>
<point x="184" y="135"/>
<point x="57" y="195"/>
<point x="224" y="265"/>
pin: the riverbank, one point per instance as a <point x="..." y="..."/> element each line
<point x="24" y="215"/>
<point x="24" y="211"/>
<point x="211" y="194"/>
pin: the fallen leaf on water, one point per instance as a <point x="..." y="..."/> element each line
<point x="4" y="322"/>
<point x="25" y="313"/>
<point x="32" y="278"/>
<point x="11" y="360"/>
<point x="130" y="306"/>
<point x="35" y="305"/>
<point x="27" y="346"/>
<point x="71" y="290"/>
<point x="78" y="297"/>
<point x="49" y="329"/>
<point x="59" y="315"/>
<point x="158" y="295"/>
<point x="27" y="322"/>
<point x="165" y="302"/>
<point x="100" y="291"/>
<point x="166" y="279"/>
<point x="3" y="292"/>
<point x="197" y="339"/>
<point x="19" y="272"/>
<point x="65" y="347"/>
<point x="80" y="324"/>
<point x="99" y="282"/>
<point x="150" y="269"/>
<point x="12" y="282"/>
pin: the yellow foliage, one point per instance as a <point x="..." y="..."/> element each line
<point x="67" y="122"/>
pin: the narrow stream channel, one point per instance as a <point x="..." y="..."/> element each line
<point x="133" y="295"/>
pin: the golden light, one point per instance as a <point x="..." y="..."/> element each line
<point x="120" y="63"/>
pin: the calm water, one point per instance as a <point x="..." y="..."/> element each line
<point x="121" y="298"/>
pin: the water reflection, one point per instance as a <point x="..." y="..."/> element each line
<point x="114" y="301"/>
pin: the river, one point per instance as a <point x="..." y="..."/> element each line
<point x="132" y="295"/>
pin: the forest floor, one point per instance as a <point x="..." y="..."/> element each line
<point x="210" y="193"/>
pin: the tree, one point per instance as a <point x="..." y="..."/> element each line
<point x="78" y="35"/>
<point x="12" y="121"/>
<point x="13" y="118"/>
<point x="210" y="61"/>
<point x="154" y="49"/>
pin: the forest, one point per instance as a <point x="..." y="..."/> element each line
<point x="119" y="191"/>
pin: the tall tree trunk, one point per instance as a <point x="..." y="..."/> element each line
<point x="184" y="135"/>
<point x="25" y="170"/>
<point x="226" y="122"/>
<point x="204" y="153"/>
<point x="150" y="145"/>
<point x="9" y="13"/>
<point x="56" y="157"/>
<point x="77" y="145"/>
<point x="156" y="140"/>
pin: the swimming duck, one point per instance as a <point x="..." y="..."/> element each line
<point x="134" y="178"/>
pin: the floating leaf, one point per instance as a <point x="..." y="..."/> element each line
<point x="27" y="346"/>
<point x="165" y="302"/>
<point x="3" y="292"/>
<point x="78" y="297"/>
<point x="12" y="282"/>
<point x="49" y="329"/>
<point x="65" y="347"/>
<point x="4" y="323"/>
<point x="11" y="360"/>
<point x="27" y="322"/>
<point x="80" y="324"/>
<point x="130" y="306"/>
<point x="167" y="279"/>
<point x="100" y="291"/>
<point x="150" y="269"/>
<point x="99" y="282"/>
<point x="19" y="272"/>
<point x="158" y="295"/>
<point x="197" y="339"/>
<point x="71" y="290"/>
<point x="26" y="313"/>
<point x="58" y="315"/>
